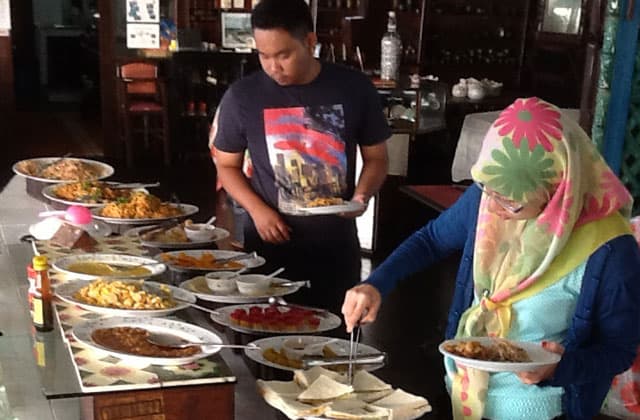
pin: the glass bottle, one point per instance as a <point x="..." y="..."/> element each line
<point x="42" y="306"/>
<point x="390" y="51"/>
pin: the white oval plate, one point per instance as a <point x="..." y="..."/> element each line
<point x="82" y="332"/>
<point x="187" y="210"/>
<point x="198" y="286"/>
<point x="49" y="192"/>
<point x="217" y="253"/>
<point x="66" y="290"/>
<point x="328" y="321"/>
<point x="341" y="347"/>
<point x="218" y="235"/>
<point x="539" y="356"/>
<point x="347" y="207"/>
<point x="62" y="264"/>
<point x="104" y="169"/>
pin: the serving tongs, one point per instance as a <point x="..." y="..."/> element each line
<point x="349" y="360"/>
<point x="353" y="350"/>
<point x="159" y="228"/>
<point x="250" y="256"/>
<point x="134" y="185"/>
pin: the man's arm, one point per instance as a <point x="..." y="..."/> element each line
<point x="269" y="224"/>
<point x="374" y="171"/>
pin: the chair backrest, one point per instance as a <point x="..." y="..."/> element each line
<point x="140" y="78"/>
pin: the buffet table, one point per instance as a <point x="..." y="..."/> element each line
<point x="39" y="378"/>
<point x="46" y="385"/>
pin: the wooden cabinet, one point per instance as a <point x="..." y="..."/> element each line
<point x="475" y="38"/>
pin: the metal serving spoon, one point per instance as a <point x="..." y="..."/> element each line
<point x="168" y="340"/>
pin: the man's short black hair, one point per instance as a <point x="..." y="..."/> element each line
<point x="293" y="16"/>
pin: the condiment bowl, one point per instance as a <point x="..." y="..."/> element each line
<point x="200" y="232"/>
<point x="296" y="348"/>
<point x="222" y="282"/>
<point x="253" y="284"/>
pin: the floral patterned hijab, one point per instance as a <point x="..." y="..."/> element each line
<point x="533" y="151"/>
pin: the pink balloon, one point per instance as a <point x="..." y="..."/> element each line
<point x="78" y="215"/>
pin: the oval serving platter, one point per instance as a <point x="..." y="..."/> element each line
<point x="187" y="210"/>
<point x="65" y="265"/>
<point x="83" y="331"/>
<point x="66" y="291"/>
<point x="104" y="170"/>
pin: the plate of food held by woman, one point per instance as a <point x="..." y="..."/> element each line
<point x="498" y="355"/>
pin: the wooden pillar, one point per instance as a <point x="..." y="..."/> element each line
<point x="7" y="95"/>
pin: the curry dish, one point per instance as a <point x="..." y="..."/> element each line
<point x="133" y="340"/>
<point x="140" y="205"/>
<point x="123" y="295"/>
<point x="500" y="351"/>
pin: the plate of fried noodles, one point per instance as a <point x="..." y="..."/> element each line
<point x="142" y="208"/>
<point x="62" y="169"/>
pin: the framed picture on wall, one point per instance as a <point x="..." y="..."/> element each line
<point x="236" y="31"/>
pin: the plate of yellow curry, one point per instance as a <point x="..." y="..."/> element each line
<point x="93" y="266"/>
<point x="124" y="297"/>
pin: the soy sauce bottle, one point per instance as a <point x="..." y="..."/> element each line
<point x="42" y="298"/>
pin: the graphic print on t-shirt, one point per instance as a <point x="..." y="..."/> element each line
<point x="307" y="153"/>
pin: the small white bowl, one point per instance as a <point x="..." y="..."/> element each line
<point x="220" y="281"/>
<point x="253" y="284"/>
<point x="297" y="347"/>
<point x="200" y="232"/>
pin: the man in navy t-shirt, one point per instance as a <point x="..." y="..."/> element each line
<point x="302" y="121"/>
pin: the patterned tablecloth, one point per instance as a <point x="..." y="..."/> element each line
<point x="100" y="372"/>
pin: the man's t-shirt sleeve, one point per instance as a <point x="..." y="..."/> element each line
<point x="231" y="137"/>
<point x="373" y="128"/>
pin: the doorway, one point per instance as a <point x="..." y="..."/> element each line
<point x="56" y="55"/>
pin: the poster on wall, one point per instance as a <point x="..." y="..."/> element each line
<point x="5" y="16"/>
<point x="143" y="35"/>
<point x="236" y="31"/>
<point x="143" y="11"/>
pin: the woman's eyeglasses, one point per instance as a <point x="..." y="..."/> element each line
<point x="508" y="205"/>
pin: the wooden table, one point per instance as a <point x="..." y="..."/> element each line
<point x="438" y="197"/>
<point x="53" y="386"/>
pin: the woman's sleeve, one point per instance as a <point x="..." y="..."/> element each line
<point x="614" y="327"/>
<point x="437" y="239"/>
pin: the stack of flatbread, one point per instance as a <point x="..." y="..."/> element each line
<point x="319" y="392"/>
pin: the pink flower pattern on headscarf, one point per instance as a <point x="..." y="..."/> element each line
<point x="556" y="215"/>
<point x="532" y="119"/>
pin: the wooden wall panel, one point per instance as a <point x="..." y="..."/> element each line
<point x="7" y="96"/>
<point x="110" y="133"/>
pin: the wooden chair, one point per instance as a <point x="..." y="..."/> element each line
<point x="142" y="97"/>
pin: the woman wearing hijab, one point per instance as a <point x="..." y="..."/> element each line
<point x="548" y="257"/>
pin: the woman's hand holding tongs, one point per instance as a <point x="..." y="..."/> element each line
<point x="361" y="304"/>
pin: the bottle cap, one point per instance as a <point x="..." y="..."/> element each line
<point x="40" y="262"/>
